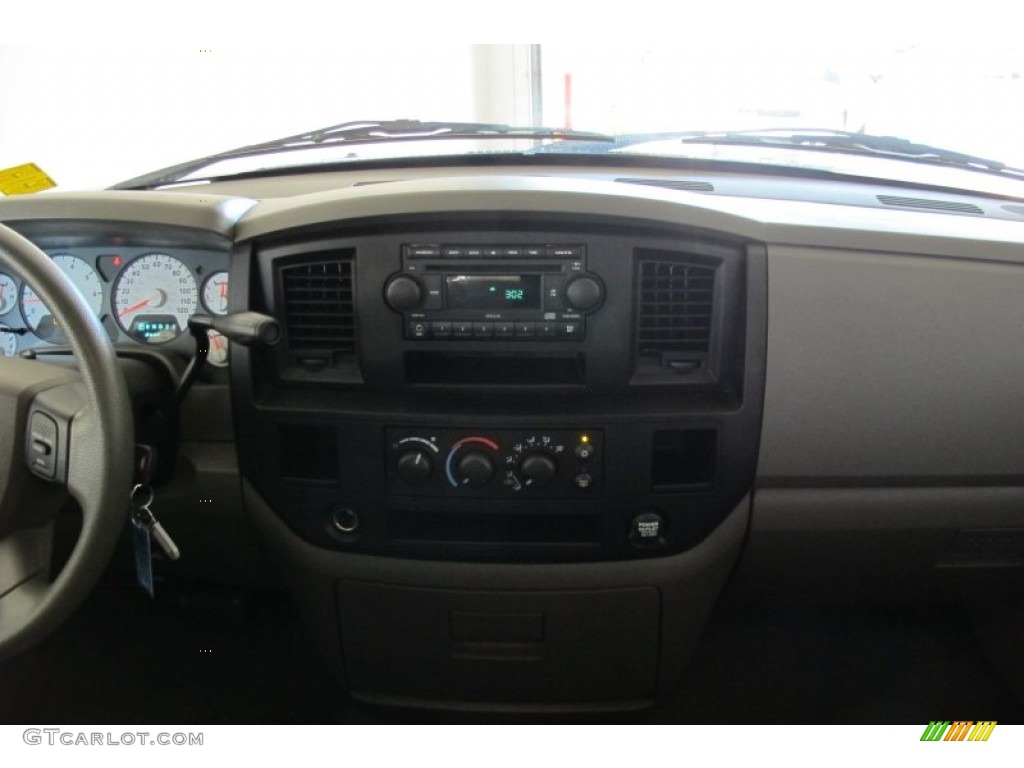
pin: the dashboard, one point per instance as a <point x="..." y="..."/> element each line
<point x="516" y="423"/>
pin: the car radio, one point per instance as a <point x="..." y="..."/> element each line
<point x="501" y="292"/>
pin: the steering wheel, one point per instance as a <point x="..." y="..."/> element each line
<point x="61" y="432"/>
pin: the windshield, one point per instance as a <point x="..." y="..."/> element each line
<point x="184" y="105"/>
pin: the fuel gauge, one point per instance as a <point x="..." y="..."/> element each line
<point x="218" y="354"/>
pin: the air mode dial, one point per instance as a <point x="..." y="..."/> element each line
<point x="538" y="469"/>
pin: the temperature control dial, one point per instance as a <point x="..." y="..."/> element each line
<point x="475" y="468"/>
<point x="470" y="462"/>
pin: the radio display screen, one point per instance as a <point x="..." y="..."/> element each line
<point x="493" y="291"/>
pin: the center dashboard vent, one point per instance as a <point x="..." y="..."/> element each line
<point x="675" y="303"/>
<point x="319" y="307"/>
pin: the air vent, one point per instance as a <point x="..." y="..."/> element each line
<point x="682" y="185"/>
<point x="948" y="206"/>
<point x="318" y="305"/>
<point x="674" y="306"/>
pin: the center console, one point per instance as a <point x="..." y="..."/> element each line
<point x="465" y="409"/>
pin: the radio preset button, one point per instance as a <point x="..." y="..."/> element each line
<point x="547" y="330"/>
<point x="483" y="329"/>
<point x="504" y="330"/>
<point x="462" y="329"/>
<point x="441" y="329"/>
<point x="526" y="329"/>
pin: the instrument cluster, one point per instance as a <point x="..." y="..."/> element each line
<point x="141" y="295"/>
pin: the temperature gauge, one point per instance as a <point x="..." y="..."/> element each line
<point x="215" y="293"/>
<point x="8" y="294"/>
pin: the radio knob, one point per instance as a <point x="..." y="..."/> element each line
<point x="403" y="292"/>
<point x="583" y="293"/>
<point x="538" y="468"/>
<point x="475" y="468"/>
<point x="415" y="467"/>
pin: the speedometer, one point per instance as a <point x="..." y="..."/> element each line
<point x="154" y="297"/>
<point x="38" y="316"/>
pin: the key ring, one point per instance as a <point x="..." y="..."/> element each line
<point x="141" y="496"/>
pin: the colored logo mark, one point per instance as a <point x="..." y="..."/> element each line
<point x="960" y="730"/>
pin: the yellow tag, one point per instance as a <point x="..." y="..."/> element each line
<point x="24" y="180"/>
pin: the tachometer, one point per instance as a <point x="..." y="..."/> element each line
<point x="37" y="315"/>
<point x="154" y="297"/>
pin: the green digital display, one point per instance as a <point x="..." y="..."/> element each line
<point x="493" y="291"/>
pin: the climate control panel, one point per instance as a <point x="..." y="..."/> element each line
<point x="502" y="463"/>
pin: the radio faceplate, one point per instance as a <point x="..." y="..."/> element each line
<point x="500" y="292"/>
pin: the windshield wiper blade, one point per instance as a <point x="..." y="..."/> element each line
<point x="828" y="140"/>
<point x="364" y="132"/>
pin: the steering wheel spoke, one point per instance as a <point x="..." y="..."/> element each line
<point x="61" y="431"/>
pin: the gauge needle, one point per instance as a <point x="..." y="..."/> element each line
<point x="134" y="307"/>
